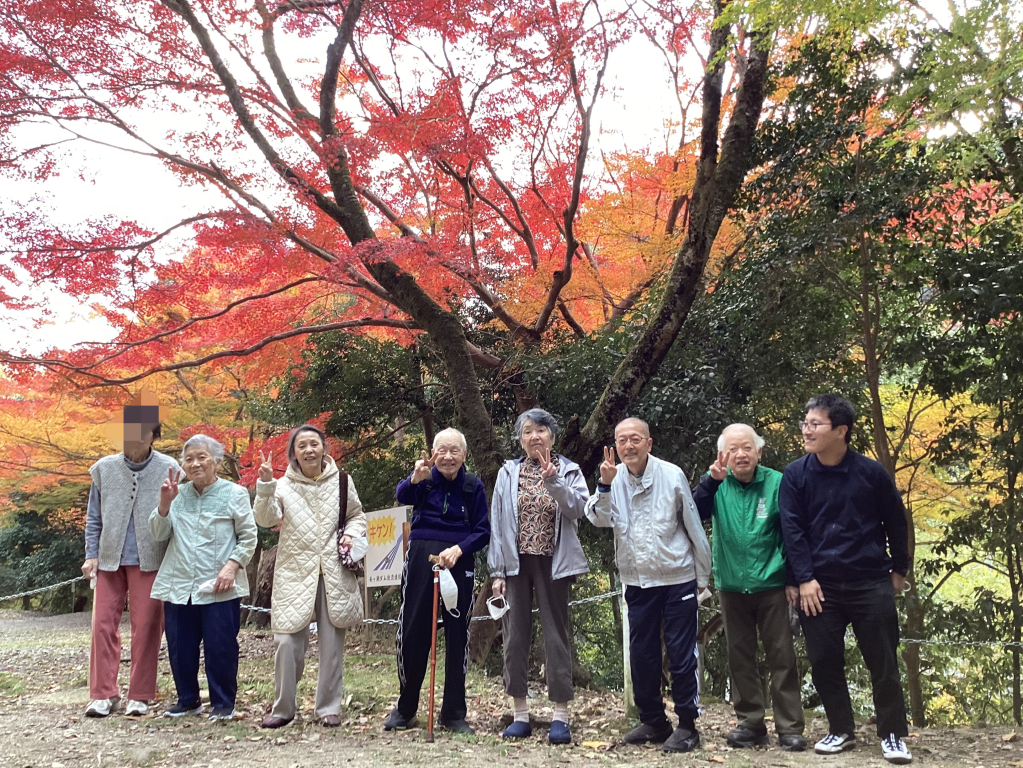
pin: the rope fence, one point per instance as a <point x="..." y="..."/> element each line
<point x="581" y="601"/>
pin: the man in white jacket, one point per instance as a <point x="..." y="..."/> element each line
<point x="663" y="559"/>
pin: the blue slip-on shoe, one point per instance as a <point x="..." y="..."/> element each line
<point x="517" y="730"/>
<point x="560" y="733"/>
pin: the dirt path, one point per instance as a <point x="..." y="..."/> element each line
<point x="43" y="693"/>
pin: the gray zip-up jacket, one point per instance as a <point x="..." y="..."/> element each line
<point x="659" y="539"/>
<point x="569" y="490"/>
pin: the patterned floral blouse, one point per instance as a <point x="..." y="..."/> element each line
<point x="537" y="510"/>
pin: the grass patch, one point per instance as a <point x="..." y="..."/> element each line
<point x="10" y="685"/>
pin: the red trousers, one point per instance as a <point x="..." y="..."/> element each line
<point x="146" y="617"/>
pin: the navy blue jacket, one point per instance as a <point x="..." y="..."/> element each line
<point x="438" y="513"/>
<point x="842" y="524"/>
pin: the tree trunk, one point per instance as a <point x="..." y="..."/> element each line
<point x="717" y="183"/>
<point x="264" y="586"/>
<point x="482" y="634"/>
<point x="915" y="628"/>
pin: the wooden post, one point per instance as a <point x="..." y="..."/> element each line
<point x="630" y="700"/>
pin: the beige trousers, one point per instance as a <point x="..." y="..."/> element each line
<point x="289" y="663"/>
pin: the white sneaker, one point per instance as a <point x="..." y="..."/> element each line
<point x="102" y="707"/>
<point x="136" y="708"/>
<point x="894" y="750"/>
<point x="834" y="743"/>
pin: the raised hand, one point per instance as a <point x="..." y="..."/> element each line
<point x="608" y="468"/>
<point x="719" y="469"/>
<point x="424" y="467"/>
<point x="547" y="466"/>
<point x="266" y="467"/>
<point x="168" y="491"/>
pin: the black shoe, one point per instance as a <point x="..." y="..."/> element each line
<point x="396" y="721"/>
<point x="682" y="740"/>
<point x="743" y="737"/>
<point x="648" y="734"/>
<point x="180" y="710"/>
<point x="455" y="726"/>
<point x="792" y="742"/>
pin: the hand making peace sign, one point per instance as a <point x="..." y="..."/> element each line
<point x="719" y="469"/>
<point x="547" y="467"/>
<point x="608" y="469"/>
<point x="168" y="491"/>
<point x="266" y="467"/>
<point x="424" y="467"/>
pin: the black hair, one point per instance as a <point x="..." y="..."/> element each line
<point x="294" y="436"/>
<point x="840" y="411"/>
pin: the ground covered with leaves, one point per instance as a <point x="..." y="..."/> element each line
<point x="43" y="694"/>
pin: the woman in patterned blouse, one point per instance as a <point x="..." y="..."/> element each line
<point x="534" y="548"/>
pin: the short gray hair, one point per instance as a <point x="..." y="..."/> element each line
<point x="538" y="416"/>
<point x="758" y="441"/>
<point x="450" y="432"/>
<point x="214" y="447"/>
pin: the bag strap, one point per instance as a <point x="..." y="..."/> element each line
<point x="342" y="481"/>
<point x="468" y="494"/>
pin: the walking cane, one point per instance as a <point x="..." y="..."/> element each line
<point x="433" y="643"/>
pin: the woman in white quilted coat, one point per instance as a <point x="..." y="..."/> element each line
<point x="310" y="584"/>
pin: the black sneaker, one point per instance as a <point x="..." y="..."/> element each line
<point x="684" y="739"/>
<point x="648" y="734"/>
<point x="792" y="742"/>
<point x="457" y="726"/>
<point x="223" y="713"/>
<point x="180" y="710"/>
<point x="743" y="737"/>
<point x="396" y="721"/>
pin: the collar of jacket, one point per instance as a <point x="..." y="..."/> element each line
<point x="189" y="490"/>
<point x="647" y="478"/>
<point x="437" y="477"/>
<point x="843" y="466"/>
<point x="565" y="465"/>
<point x="329" y="470"/>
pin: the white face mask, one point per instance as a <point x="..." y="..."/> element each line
<point x="359" y="548"/>
<point x="497" y="611"/>
<point x="449" y="592"/>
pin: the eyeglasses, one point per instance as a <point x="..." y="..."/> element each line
<point x="632" y="440"/>
<point x="814" y="424"/>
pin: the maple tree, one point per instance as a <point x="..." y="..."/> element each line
<point x="439" y="160"/>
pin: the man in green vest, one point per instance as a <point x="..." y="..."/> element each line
<point x="741" y="497"/>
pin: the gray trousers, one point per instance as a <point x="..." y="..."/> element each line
<point x="517" y="628"/>
<point x="767" y="612"/>
<point x="289" y="663"/>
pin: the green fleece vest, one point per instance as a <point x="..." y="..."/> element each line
<point x="748" y="552"/>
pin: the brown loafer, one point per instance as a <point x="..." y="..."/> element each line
<point x="272" y="721"/>
<point x="331" y="721"/>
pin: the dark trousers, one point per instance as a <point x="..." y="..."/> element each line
<point x="413" y="640"/>
<point x="870" y="608"/>
<point x="534" y="576"/>
<point x="673" y="606"/>
<point x="215" y="626"/>
<point x="743" y="616"/>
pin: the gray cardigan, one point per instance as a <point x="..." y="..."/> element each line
<point x="569" y="490"/>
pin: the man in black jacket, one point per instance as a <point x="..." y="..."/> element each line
<point x="845" y="532"/>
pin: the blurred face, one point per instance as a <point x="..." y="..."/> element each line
<point x="309" y="453"/>
<point x="450" y="457"/>
<point x="138" y="439"/>
<point x="535" y="439"/>
<point x="633" y="443"/>
<point x="820" y="435"/>
<point x="745" y="455"/>
<point x="200" y="466"/>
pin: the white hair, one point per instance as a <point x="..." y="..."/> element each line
<point x="213" y="447"/>
<point x="758" y="441"/>
<point x="448" y="433"/>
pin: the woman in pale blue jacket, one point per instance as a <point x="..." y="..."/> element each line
<point x="202" y="580"/>
<point x="534" y="548"/>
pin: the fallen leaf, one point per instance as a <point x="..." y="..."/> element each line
<point x="716" y="759"/>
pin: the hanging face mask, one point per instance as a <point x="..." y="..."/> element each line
<point x="496" y="610"/>
<point x="360" y="546"/>
<point x="449" y="592"/>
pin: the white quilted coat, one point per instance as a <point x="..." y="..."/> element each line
<point x="307" y="511"/>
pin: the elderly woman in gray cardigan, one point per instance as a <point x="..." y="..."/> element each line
<point x="534" y="548"/>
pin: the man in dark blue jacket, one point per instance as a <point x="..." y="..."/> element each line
<point x="846" y="537"/>
<point x="449" y="519"/>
